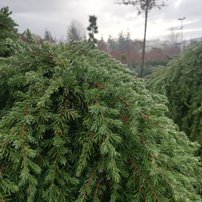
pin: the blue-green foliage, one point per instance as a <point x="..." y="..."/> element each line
<point x="76" y="126"/>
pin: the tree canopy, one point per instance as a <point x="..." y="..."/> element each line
<point x="76" y="126"/>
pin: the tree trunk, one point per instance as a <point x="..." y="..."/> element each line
<point x="144" y="42"/>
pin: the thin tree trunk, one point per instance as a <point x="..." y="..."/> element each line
<point x="144" y="43"/>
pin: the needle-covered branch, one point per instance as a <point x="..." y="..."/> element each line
<point x="76" y="126"/>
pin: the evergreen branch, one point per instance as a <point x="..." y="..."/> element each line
<point x="87" y="119"/>
<point x="135" y="167"/>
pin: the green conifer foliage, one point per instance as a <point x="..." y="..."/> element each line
<point x="77" y="126"/>
<point x="93" y="29"/>
<point x="181" y="82"/>
<point x="7" y="30"/>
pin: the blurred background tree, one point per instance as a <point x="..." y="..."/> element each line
<point x="7" y="30"/>
<point x="93" y="29"/>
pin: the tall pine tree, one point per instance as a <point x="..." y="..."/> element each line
<point x="143" y="6"/>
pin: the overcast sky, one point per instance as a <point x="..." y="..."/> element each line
<point x="56" y="15"/>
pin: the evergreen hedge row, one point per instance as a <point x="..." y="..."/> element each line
<point x="76" y="126"/>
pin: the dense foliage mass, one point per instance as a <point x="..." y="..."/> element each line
<point x="76" y="126"/>
<point x="7" y="31"/>
<point x="181" y="82"/>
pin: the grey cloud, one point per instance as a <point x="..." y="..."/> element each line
<point x="56" y="15"/>
<point x="38" y="6"/>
